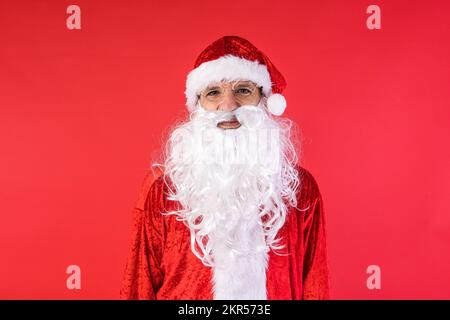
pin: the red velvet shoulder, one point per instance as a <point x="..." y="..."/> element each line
<point x="151" y="176"/>
<point x="309" y="189"/>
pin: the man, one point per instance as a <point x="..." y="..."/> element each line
<point x="232" y="215"/>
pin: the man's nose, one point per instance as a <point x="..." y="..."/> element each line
<point x="229" y="102"/>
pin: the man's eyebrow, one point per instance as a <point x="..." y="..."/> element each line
<point x="212" y="87"/>
<point x="244" y="83"/>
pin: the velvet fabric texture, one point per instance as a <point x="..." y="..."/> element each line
<point x="162" y="266"/>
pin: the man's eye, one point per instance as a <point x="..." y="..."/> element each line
<point x="244" y="91"/>
<point x="212" y="93"/>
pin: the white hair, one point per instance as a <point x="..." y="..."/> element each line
<point x="226" y="179"/>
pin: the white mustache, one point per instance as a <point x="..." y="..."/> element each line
<point x="244" y="114"/>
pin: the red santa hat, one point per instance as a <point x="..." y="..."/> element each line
<point x="234" y="58"/>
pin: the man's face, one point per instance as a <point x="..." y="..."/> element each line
<point x="228" y="96"/>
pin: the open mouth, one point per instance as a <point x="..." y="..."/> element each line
<point x="233" y="123"/>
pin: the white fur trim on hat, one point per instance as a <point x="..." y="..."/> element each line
<point x="228" y="67"/>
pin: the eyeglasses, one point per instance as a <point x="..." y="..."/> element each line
<point x="244" y="92"/>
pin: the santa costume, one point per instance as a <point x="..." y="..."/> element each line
<point x="169" y="258"/>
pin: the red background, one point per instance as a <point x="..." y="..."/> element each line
<point x="82" y="112"/>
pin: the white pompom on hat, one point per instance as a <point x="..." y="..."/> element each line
<point x="234" y="58"/>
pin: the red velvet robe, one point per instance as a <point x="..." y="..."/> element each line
<point x="162" y="266"/>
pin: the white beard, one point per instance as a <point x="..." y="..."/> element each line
<point x="234" y="187"/>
